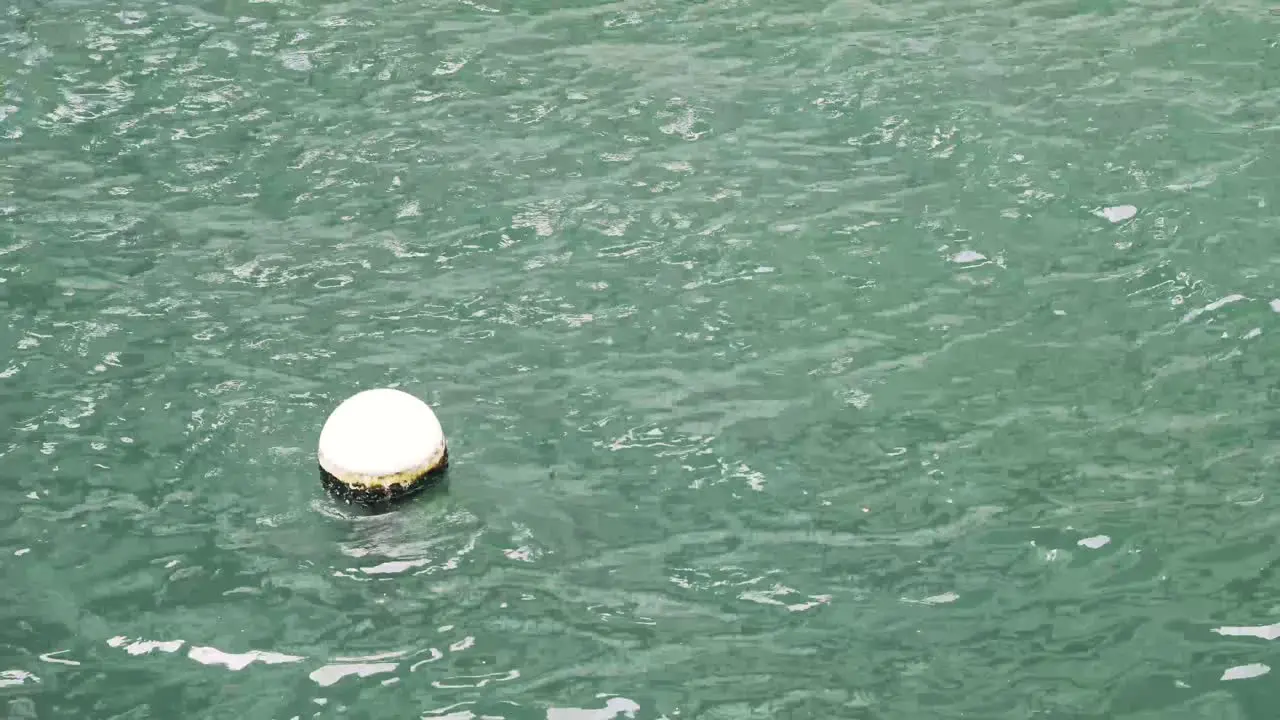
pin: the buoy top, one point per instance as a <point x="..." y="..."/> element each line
<point x="379" y="437"/>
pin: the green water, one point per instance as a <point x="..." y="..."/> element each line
<point x="791" y="364"/>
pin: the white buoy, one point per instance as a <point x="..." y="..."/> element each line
<point x="380" y="445"/>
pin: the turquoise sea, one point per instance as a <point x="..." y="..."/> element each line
<point x="863" y="359"/>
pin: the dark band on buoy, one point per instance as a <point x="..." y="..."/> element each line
<point x="375" y="496"/>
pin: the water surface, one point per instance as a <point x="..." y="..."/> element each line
<point x="798" y="361"/>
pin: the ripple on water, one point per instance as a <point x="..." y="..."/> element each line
<point x="767" y="334"/>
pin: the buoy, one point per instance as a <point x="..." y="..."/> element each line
<point x="380" y="446"/>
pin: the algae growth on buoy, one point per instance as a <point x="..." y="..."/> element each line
<point x="380" y="446"/>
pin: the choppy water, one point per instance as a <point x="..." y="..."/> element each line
<point x="798" y="360"/>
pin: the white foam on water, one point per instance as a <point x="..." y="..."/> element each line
<point x="13" y="678"/>
<point x="330" y="674"/>
<point x="1220" y="302"/>
<point x="238" y="661"/>
<point x="1244" y="672"/>
<point x="1095" y="542"/>
<point x="1119" y="213"/>
<point x="612" y="709"/>
<point x="145" y="647"/>
<point x="1266" y="632"/>
<point x="968" y="256"/>
<point x="49" y="658"/>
